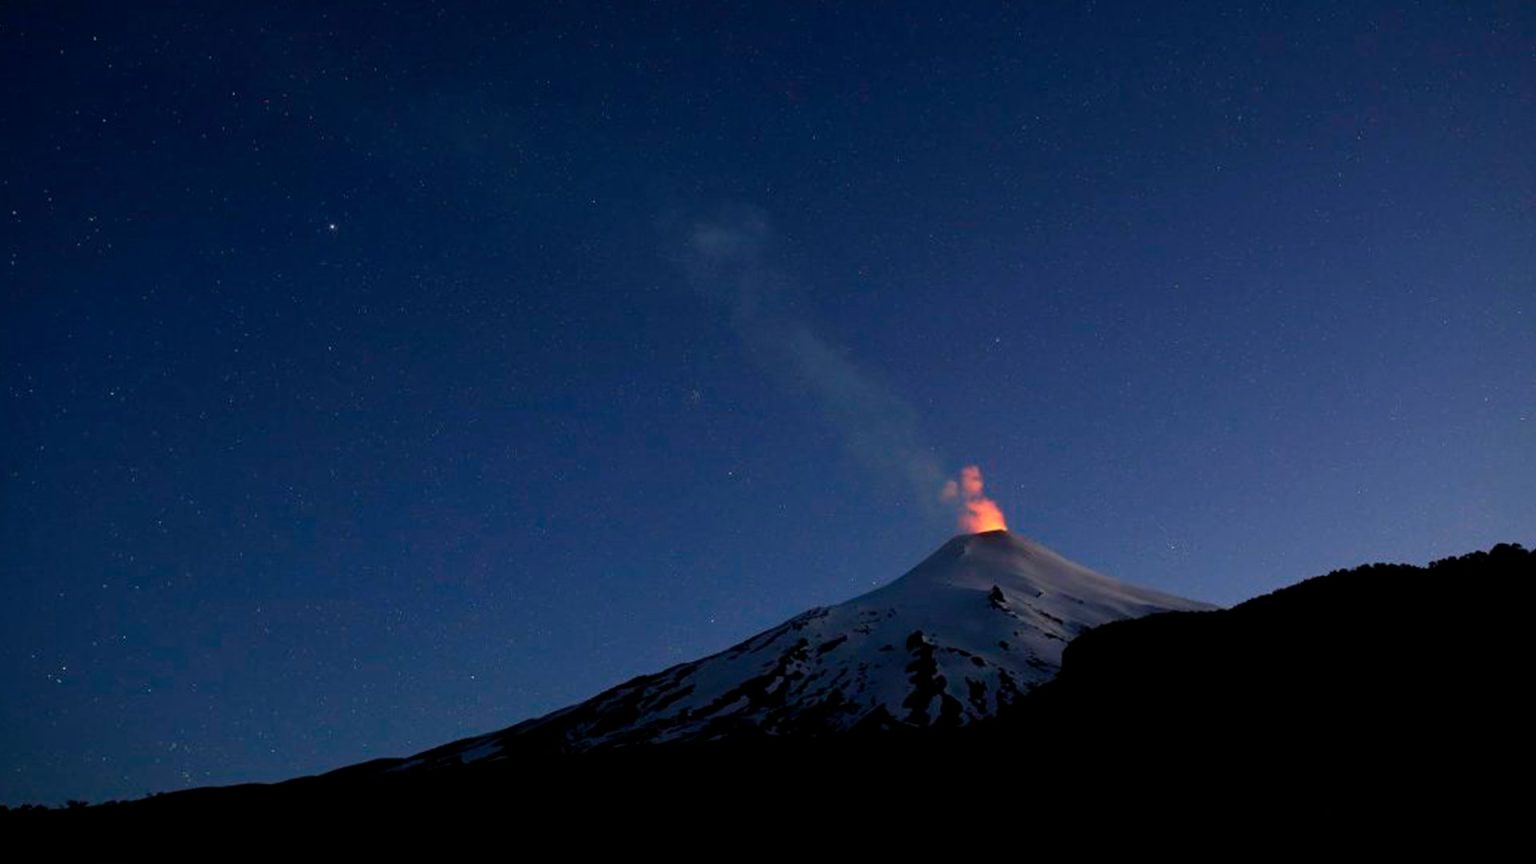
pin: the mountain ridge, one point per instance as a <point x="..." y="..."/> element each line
<point x="966" y="632"/>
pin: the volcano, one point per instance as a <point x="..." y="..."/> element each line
<point x="968" y="631"/>
<point x="1228" y="708"/>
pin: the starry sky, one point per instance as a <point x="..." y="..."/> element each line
<point x="379" y="374"/>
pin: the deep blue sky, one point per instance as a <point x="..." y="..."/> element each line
<point x="362" y="389"/>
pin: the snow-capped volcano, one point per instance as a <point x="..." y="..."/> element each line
<point x="980" y="622"/>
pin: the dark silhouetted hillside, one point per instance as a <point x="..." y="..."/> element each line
<point x="1385" y="660"/>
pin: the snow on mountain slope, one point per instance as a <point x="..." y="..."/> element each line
<point x="980" y="622"/>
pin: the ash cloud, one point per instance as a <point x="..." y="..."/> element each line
<point x="729" y="262"/>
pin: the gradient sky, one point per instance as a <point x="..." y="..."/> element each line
<point x="372" y="376"/>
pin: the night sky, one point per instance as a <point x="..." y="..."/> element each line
<point x="377" y="375"/>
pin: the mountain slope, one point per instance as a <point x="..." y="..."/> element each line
<point x="968" y="631"/>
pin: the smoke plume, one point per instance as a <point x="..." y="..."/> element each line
<point x="977" y="512"/>
<point x="728" y="262"/>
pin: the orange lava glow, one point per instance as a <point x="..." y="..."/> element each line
<point x="977" y="512"/>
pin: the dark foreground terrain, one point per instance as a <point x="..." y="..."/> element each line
<point x="1392" y="692"/>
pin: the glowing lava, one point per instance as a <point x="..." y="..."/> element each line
<point x="977" y="513"/>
